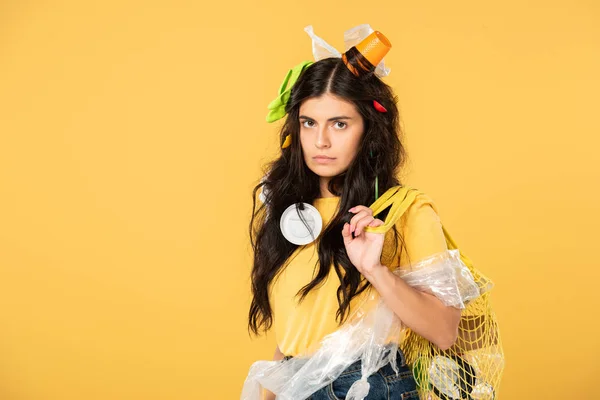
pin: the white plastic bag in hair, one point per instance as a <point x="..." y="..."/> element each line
<point x="370" y="335"/>
<point x="321" y="49"/>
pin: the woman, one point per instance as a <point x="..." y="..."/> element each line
<point x="341" y="147"/>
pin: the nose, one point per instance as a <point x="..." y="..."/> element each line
<point x="322" y="139"/>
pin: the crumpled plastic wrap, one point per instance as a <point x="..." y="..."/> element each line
<point x="371" y="334"/>
<point x="445" y="276"/>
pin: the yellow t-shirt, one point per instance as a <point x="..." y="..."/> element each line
<point x="300" y="327"/>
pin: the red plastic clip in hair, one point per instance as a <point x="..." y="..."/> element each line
<point x="378" y="106"/>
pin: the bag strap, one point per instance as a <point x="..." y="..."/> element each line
<point x="399" y="198"/>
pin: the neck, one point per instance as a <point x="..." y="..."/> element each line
<point x="323" y="181"/>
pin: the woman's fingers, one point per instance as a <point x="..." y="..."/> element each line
<point x="363" y="216"/>
<point x="367" y="221"/>
<point x="360" y="212"/>
<point x="362" y="223"/>
<point x="376" y="222"/>
<point x="360" y="208"/>
<point x="346" y="234"/>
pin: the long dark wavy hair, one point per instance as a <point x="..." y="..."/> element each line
<point x="288" y="180"/>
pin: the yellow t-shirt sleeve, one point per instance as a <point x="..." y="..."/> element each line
<point x="421" y="228"/>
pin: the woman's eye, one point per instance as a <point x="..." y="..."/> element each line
<point x="338" y="124"/>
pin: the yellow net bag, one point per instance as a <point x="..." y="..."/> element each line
<point x="472" y="368"/>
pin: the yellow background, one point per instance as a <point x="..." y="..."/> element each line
<point x="131" y="134"/>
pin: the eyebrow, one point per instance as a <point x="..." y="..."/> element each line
<point x="330" y="119"/>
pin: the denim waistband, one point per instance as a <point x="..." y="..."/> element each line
<point x="400" y="353"/>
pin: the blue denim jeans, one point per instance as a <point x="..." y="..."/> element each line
<point x="385" y="384"/>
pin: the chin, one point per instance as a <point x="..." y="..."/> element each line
<point x="325" y="171"/>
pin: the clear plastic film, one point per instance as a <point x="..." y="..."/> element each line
<point x="443" y="275"/>
<point x="321" y="49"/>
<point x="371" y="335"/>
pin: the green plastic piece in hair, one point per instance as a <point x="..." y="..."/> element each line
<point x="277" y="106"/>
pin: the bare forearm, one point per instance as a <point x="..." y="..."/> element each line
<point x="423" y="313"/>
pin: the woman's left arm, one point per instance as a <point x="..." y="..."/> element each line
<point x="423" y="236"/>
<point x="422" y="312"/>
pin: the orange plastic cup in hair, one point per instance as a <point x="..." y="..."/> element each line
<point x="374" y="47"/>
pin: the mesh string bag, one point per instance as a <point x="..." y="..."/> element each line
<point x="472" y="367"/>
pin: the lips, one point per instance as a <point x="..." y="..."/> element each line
<point x="323" y="159"/>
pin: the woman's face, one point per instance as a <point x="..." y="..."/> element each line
<point x="330" y="133"/>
